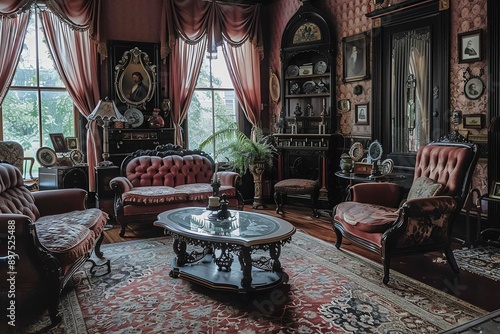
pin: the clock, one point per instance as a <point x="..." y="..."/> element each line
<point x="374" y="151"/>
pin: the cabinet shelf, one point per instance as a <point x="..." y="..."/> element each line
<point x="296" y="96"/>
<point x="308" y="76"/>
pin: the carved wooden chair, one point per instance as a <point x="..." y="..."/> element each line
<point x="13" y="153"/>
<point x="376" y="220"/>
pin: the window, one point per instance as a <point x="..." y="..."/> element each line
<point x="37" y="102"/>
<point x="214" y="105"/>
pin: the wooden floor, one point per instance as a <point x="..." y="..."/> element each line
<point x="475" y="289"/>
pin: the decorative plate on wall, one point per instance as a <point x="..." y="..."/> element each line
<point x="46" y="156"/>
<point x="274" y="87"/>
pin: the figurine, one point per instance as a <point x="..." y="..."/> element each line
<point x="298" y="110"/>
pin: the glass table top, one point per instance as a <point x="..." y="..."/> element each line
<point x="240" y="226"/>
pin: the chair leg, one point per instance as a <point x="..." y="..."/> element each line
<point x="387" y="265"/>
<point x="314" y="202"/>
<point x="338" y="234"/>
<point x="278" y="199"/>
<point x="451" y="259"/>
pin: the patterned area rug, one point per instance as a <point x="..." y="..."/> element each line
<point x="329" y="291"/>
<point x="484" y="261"/>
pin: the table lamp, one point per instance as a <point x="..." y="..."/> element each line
<point x="106" y="112"/>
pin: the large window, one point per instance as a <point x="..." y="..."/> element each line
<point x="37" y="102"/>
<point x="214" y="105"/>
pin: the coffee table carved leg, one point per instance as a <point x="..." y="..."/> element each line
<point x="245" y="258"/>
<point x="225" y="260"/>
<point x="274" y="253"/>
<point x="180" y="251"/>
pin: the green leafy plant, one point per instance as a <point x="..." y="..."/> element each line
<point x="239" y="150"/>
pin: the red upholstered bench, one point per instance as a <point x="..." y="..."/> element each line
<point x="296" y="187"/>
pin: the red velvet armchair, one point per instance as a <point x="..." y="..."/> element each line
<point x="45" y="237"/>
<point x="383" y="218"/>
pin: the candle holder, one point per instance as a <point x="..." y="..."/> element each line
<point x="223" y="213"/>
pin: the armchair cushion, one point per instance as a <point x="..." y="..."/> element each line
<point x="366" y="217"/>
<point x="424" y="187"/>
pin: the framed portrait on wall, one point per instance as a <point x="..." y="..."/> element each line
<point x="355" y="57"/>
<point x="469" y="46"/>
<point x="134" y="75"/>
<point x="361" y="114"/>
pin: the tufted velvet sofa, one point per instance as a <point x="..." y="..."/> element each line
<point x="154" y="181"/>
<point x="45" y="237"/>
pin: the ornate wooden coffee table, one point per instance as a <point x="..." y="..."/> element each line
<point x="255" y="239"/>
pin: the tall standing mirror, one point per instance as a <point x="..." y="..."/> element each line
<point x="410" y="77"/>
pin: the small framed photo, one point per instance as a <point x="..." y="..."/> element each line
<point x="495" y="190"/>
<point x="474" y="88"/>
<point x="473" y="121"/>
<point x="72" y="143"/>
<point x="356" y="53"/>
<point x="469" y="46"/>
<point x="361" y="114"/>
<point x="58" y="142"/>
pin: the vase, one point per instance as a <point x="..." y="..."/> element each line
<point x="155" y="120"/>
<point x="345" y="163"/>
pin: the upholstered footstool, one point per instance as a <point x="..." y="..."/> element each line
<point x="296" y="187"/>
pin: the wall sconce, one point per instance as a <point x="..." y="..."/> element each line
<point x="106" y="112"/>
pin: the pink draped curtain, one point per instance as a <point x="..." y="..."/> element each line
<point x="236" y="28"/>
<point x="13" y="25"/>
<point x="76" y="59"/>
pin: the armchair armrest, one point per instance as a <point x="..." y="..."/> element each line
<point x="120" y="185"/>
<point x="378" y="193"/>
<point x="429" y="206"/>
<point x="228" y="178"/>
<point x="51" y="202"/>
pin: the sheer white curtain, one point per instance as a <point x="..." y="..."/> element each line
<point x="410" y="66"/>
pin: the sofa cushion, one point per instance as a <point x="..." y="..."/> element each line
<point x="366" y="217"/>
<point x="70" y="235"/>
<point x="153" y="195"/>
<point x="424" y="187"/>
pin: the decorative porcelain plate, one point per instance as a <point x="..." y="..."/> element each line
<point x="76" y="157"/>
<point x="274" y="87"/>
<point x="134" y="117"/>
<point x="320" y="67"/>
<point x="387" y="166"/>
<point x="292" y="71"/>
<point x="356" y="151"/>
<point x="308" y="87"/>
<point x="46" y="156"/>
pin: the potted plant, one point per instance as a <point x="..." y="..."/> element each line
<point x="244" y="154"/>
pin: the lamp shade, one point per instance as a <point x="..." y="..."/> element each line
<point x="106" y="111"/>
